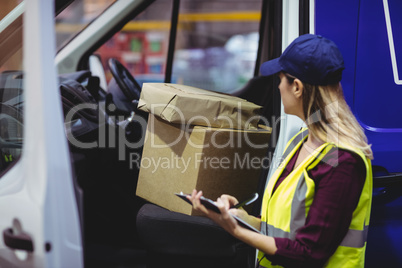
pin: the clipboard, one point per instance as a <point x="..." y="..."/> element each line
<point x="209" y="204"/>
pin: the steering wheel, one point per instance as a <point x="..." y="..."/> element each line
<point x="128" y="85"/>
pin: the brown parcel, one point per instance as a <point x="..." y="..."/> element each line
<point x="171" y="164"/>
<point x="182" y="104"/>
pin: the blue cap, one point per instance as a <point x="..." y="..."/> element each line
<point x="311" y="58"/>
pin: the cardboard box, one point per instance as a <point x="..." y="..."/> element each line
<point x="216" y="161"/>
<point x="182" y="104"/>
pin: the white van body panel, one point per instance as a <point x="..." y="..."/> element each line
<point x="37" y="195"/>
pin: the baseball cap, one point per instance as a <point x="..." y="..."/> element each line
<point x="311" y="58"/>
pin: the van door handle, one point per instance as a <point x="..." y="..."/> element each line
<point x="20" y="241"/>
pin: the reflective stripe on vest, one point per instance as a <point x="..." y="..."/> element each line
<point x="285" y="211"/>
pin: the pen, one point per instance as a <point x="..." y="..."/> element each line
<point x="247" y="201"/>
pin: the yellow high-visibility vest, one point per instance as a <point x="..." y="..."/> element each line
<point x="285" y="211"/>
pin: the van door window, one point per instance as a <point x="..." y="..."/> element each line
<point x="76" y="17"/>
<point x="141" y="46"/>
<point x="11" y="97"/>
<point x="216" y="44"/>
<point x="215" y="47"/>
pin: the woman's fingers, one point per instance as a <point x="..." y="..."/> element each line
<point x="224" y="203"/>
<point x="221" y="205"/>
<point x="223" y="208"/>
<point x="194" y="195"/>
<point x="195" y="199"/>
<point x="229" y="200"/>
<point x="224" y="219"/>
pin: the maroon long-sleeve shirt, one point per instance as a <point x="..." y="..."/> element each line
<point x="337" y="193"/>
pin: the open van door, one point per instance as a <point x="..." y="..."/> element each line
<point x="39" y="221"/>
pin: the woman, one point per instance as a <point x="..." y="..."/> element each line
<point x="316" y="206"/>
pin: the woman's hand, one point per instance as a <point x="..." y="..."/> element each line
<point x="224" y="219"/>
<point x="224" y="203"/>
<point x="229" y="201"/>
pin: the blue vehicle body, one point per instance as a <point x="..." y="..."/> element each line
<point x="368" y="35"/>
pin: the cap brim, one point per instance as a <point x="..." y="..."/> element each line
<point x="270" y="67"/>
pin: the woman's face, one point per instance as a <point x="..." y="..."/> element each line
<point x="290" y="102"/>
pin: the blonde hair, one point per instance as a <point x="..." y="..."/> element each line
<point x="330" y="119"/>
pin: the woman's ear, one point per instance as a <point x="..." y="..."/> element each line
<point x="298" y="88"/>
